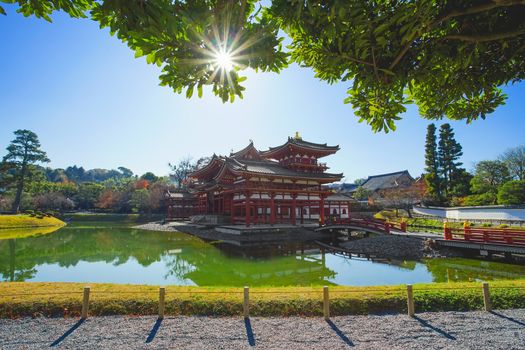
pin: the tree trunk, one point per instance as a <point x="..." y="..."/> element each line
<point x="12" y="265"/>
<point x="19" y="190"/>
<point x="18" y="197"/>
<point x="409" y="213"/>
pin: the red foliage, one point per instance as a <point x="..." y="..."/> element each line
<point x="141" y="184"/>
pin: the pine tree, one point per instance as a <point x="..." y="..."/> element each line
<point x="449" y="152"/>
<point x="22" y="153"/>
<point x="432" y="164"/>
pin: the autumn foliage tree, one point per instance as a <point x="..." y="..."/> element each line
<point x="402" y="198"/>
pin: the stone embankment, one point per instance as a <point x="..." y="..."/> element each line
<point x="396" y="247"/>
<point x="209" y="233"/>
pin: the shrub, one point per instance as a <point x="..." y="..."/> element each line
<point x="512" y="192"/>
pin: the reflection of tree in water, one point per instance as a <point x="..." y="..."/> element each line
<point x="68" y="246"/>
<point x="186" y="258"/>
<point x="14" y="275"/>
<point x="457" y="269"/>
<point x="177" y="267"/>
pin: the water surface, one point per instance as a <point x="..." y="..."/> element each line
<point x="115" y="253"/>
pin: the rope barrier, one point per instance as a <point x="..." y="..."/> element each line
<point x="123" y="292"/>
<point x="43" y="293"/>
<point x="363" y="290"/>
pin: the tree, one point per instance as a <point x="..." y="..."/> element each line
<point x="512" y="192"/>
<point x="88" y="195"/>
<point x="125" y="171"/>
<point x="359" y="181"/>
<point x="461" y="183"/>
<point x="53" y="200"/>
<point x="181" y="170"/>
<point x="140" y="200"/>
<point x="514" y="158"/>
<point x="75" y="173"/>
<point x="449" y="151"/>
<point x="150" y="177"/>
<point x="432" y="164"/>
<point x="489" y="176"/>
<point x="449" y="58"/>
<point x="22" y="154"/>
<point x="402" y="198"/>
<point x="362" y="194"/>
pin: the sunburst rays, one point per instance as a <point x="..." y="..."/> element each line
<point x="223" y="52"/>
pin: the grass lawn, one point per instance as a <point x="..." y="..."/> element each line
<point x="26" y="221"/>
<point x="64" y="299"/>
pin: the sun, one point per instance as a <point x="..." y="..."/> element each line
<point x="224" y="60"/>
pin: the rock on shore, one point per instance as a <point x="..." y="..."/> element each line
<point x="395" y="247"/>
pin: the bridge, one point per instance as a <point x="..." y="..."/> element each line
<point x="368" y="225"/>
<point x="486" y="240"/>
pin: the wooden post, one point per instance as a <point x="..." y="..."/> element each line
<point x="85" y="303"/>
<point x="246" y="304"/>
<point x="326" y="303"/>
<point x="486" y="297"/>
<point x="410" y="300"/>
<point x="162" y="304"/>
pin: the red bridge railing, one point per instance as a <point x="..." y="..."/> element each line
<point x="378" y="225"/>
<point x="486" y="235"/>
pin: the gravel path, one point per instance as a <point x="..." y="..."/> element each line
<point x="444" y="330"/>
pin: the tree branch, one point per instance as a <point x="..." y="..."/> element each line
<point x="479" y="8"/>
<point x="457" y="13"/>
<point x="487" y="37"/>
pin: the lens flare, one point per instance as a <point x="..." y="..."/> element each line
<point x="224" y="60"/>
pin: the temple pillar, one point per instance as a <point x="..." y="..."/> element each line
<point x="321" y="210"/>
<point x="293" y="214"/>
<point x="232" y="209"/>
<point x="247" y="208"/>
<point x="272" y="208"/>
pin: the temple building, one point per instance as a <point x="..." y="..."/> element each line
<point x="284" y="184"/>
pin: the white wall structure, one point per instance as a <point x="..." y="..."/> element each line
<point x="495" y="212"/>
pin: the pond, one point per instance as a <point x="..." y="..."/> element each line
<point x="115" y="253"/>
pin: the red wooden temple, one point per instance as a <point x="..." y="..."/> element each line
<point x="285" y="184"/>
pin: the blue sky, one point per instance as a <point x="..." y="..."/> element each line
<point x="93" y="104"/>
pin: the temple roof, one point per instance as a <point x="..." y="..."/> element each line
<point x="214" y="164"/>
<point x="298" y="143"/>
<point x="249" y="152"/>
<point x="385" y="181"/>
<point x="273" y="168"/>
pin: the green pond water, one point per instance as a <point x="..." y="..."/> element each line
<point x="115" y="253"/>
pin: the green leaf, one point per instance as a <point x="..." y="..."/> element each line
<point x="189" y="91"/>
<point x="199" y="90"/>
<point x="2" y="11"/>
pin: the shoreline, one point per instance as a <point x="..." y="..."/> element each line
<point x="23" y="221"/>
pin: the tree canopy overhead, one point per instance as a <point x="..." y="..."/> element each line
<point x="448" y="57"/>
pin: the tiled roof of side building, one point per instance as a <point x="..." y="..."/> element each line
<point x="384" y="181"/>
